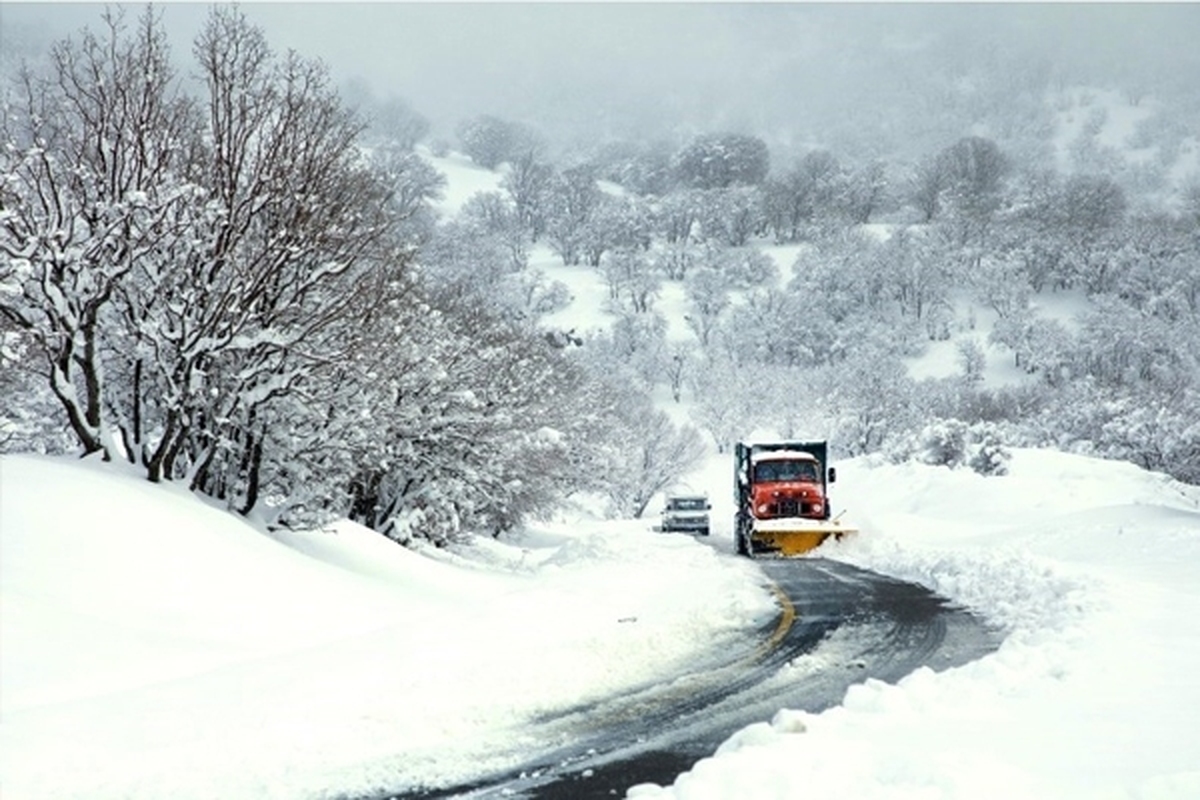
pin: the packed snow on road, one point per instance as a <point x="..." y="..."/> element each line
<point x="155" y="647"/>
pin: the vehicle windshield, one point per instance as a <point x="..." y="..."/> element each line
<point x="783" y="470"/>
<point x="687" y="504"/>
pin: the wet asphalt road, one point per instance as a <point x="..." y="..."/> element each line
<point x="848" y="625"/>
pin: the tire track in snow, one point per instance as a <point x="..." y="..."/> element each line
<point x="838" y="625"/>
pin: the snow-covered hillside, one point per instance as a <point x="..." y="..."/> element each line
<point x="1106" y="130"/>
<point x="587" y="311"/>
<point x="154" y="647"/>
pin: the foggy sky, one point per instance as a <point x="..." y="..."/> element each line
<point x="622" y="67"/>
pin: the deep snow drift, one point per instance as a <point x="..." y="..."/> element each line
<point x="155" y="647"/>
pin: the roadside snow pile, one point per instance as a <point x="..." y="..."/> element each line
<point x="156" y="647"/>
<point x="1093" y="570"/>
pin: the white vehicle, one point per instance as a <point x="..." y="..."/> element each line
<point x="686" y="513"/>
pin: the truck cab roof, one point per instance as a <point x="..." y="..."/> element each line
<point x="783" y="455"/>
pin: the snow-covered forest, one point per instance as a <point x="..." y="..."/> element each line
<point x="225" y="268"/>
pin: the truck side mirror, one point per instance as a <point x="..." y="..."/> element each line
<point x="833" y="474"/>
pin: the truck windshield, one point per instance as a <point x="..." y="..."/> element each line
<point x="772" y="471"/>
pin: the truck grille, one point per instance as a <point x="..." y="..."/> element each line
<point x="790" y="507"/>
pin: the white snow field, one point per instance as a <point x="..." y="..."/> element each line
<point x="155" y="647"/>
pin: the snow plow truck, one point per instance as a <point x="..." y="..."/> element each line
<point x="782" y="498"/>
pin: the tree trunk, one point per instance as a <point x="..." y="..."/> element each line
<point x="254" y="470"/>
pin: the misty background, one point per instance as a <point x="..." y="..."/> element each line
<point x="868" y="80"/>
<point x="763" y="202"/>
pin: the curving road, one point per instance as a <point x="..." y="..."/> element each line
<point x="839" y="625"/>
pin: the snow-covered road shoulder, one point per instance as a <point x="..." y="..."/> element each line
<point x="154" y="646"/>
<point x="157" y="647"/>
<point x="1091" y="568"/>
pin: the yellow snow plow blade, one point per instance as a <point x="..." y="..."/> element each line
<point x="793" y="537"/>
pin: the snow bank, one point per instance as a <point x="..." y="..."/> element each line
<point x="154" y="646"/>
<point x="1090" y="566"/>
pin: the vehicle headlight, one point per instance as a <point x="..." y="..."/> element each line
<point x="763" y="508"/>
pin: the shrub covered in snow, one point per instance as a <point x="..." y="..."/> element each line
<point x="952" y="443"/>
<point x="943" y="443"/>
<point x="988" y="454"/>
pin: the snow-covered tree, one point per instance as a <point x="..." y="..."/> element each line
<point x="293" y="238"/>
<point x="467" y="421"/>
<point x="744" y="267"/>
<point x="1001" y="284"/>
<point x="615" y="222"/>
<point x="31" y="419"/>
<point x="493" y="214"/>
<point x="542" y="296"/>
<point x="1038" y="344"/>
<point x="1156" y="268"/>
<point x="464" y="254"/>
<point x="728" y="402"/>
<point x="716" y="161"/>
<point x="729" y="216"/>
<point x="679" y="362"/>
<point x="1124" y="348"/>
<point x="92" y="181"/>
<point x="414" y="185"/>
<point x="639" y="340"/>
<point x="631" y="281"/>
<point x="988" y="455"/>
<point x="782" y="329"/>
<point x="490" y="141"/>
<point x="395" y="121"/>
<point x="1191" y="202"/>
<point x="647" y="454"/>
<point x="873" y="397"/>
<point x="528" y="183"/>
<point x="208" y="261"/>
<point x="972" y="360"/>
<point x="917" y="275"/>
<point x="865" y="192"/>
<point x="808" y="192"/>
<point x="708" y="296"/>
<point x="966" y="179"/>
<point x="943" y="443"/>
<point x="675" y="259"/>
<point x="840" y="269"/>
<point x="925" y="187"/>
<point x="570" y="199"/>
<point x="643" y="168"/>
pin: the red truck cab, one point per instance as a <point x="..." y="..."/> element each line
<point x="787" y="483"/>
